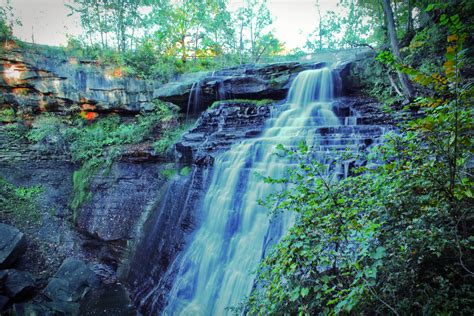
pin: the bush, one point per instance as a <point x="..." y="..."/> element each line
<point x="395" y="238"/>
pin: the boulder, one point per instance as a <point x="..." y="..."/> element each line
<point x="12" y="245"/>
<point x="71" y="282"/>
<point x="110" y="299"/>
<point x="19" y="284"/>
<point x="31" y="309"/>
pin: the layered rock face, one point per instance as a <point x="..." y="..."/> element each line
<point x="35" y="81"/>
<point x="218" y="128"/>
<point x="195" y="93"/>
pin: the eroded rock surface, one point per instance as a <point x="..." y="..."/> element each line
<point x="218" y="128"/>
<point x="12" y="245"/>
<point x="270" y="81"/>
<point x="33" y="81"/>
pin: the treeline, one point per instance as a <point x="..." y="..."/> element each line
<point x="178" y="31"/>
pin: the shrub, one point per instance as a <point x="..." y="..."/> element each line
<point x="394" y="238"/>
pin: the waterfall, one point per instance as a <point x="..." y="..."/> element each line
<point x="215" y="271"/>
<point x="194" y="99"/>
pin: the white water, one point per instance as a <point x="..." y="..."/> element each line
<point x="215" y="271"/>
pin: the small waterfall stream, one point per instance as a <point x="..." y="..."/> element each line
<point x="194" y="100"/>
<point x="215" y="271"/>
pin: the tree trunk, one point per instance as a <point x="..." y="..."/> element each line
<point x="183" y="48"/>
<point x="320" y="25"/>
<point x="196" y="42"/>
<point x="409" y="18"/>
<point x="405" y="82"/>
<point x="252" y="40"/>
<point x="241" y="50"/>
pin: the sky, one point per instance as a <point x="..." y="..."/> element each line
<point x="46" y="21"/>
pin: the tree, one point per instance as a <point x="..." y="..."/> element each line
<point x="404" y="81"/>
<point x="99" y="17"/>
<point x="253" y="20"/>
<point x="7" y="21"/>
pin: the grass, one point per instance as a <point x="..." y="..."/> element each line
<point x="19" y="202"/>
<point x="257" y="103"/>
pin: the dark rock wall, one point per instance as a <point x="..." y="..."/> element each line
<point x="163" y="234"/>
<point x="270" y="81"/>
<point x="119" y="197"/>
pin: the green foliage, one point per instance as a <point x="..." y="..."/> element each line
<point x="161" y="39"/>
<point x="81" y="180"/>
<point x="169" y="172"/>
<point x="168" y="138"/>
<point x="7" y="21"/>
<point x="94" y="145"/>
<point x="185" y="171"/>
<point x="257" y="103"/>
<point x="19" y="202"/>
<point x="7" y="115"/>
<point x="395" y="238"/>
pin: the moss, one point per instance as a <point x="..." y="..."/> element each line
<point x="16" y="131"/>
<point x="19" y="202"/>
<point x="7" y="115"/>
<point x="81" y="180"/>
<point x="164" y="145"/>
<point x="185" y="171"/>
<point x="168" y="173"/>
<point x="257" y="103"/>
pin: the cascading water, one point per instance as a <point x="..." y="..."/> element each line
<point x="215" y="271"/>
<point x="194" y="99"/>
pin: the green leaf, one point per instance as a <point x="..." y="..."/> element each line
<point x="379" y="253"/>
<point x="295" y="294"/>
<point x="304" y="291"/>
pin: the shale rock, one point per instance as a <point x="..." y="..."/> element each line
<point x="121" y="196"/>
<point x="218" y="128"/>
<point x="3" y="302"/>
<point x="271" y="81"/>
<point x="34" y="80"/>
<point x="12" y="245"/>
<point x="18" y="284"/>
<point x="71" y="282"/>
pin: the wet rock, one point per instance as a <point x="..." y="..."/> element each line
<point x="45" y="308"/>
<point x="71" y="282"/>
<point x="19" y="284"/>
<point x="218" y="128"/>
<point x="25" y="309"/>
<point x="12" y="245"/>
<point x="105" y="272"/>
<point x="120" y="197"/>
<point x="108" y="300"/>
<point x="269" y="81"/>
